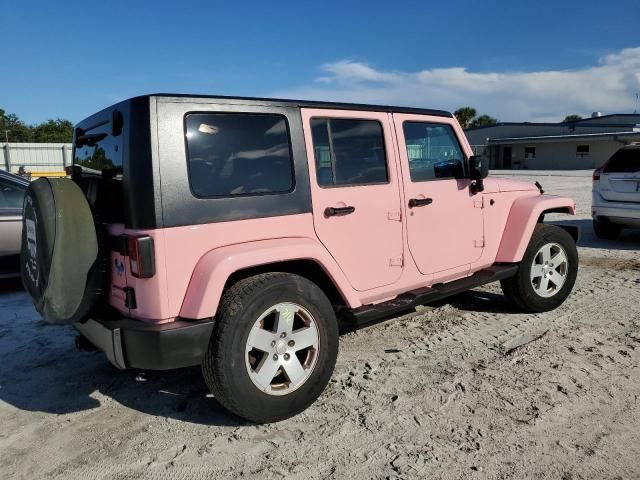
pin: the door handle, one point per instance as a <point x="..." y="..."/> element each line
<point x="331" y="211"/>
<point x="420" y="202"/>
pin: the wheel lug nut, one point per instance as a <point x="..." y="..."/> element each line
<point x="273" y="343"/>
<point x="286" y="356"/>
<point x="283" y="334"/>
<point x="291" y="343"/>
<point x="275" y="356"/>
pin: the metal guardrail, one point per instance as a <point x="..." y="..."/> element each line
<point x="40" y="159"/>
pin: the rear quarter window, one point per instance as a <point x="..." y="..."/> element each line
<point x="624" y="161"/>
<point x="236" y="154"/>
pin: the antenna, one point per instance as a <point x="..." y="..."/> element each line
<point x="635" y="110"/>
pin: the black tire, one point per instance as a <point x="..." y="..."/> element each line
<point x="60" y="261"/>
<point x="224" y="365"/>
<point x="606" y="230"/>
<point x="520" y="290"/>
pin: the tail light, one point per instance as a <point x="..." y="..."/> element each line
<point x="141" y="256"/>
<point x="596" y="174"/>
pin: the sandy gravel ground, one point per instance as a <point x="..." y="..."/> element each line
<point x="468" y="389"/>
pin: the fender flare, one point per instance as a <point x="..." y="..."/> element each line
<point x="216" y="266"/>
<point x="523" y="216"/>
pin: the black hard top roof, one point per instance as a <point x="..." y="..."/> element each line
<point x="312" y="104"/>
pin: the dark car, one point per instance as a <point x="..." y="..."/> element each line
<point x="12" y="188"/>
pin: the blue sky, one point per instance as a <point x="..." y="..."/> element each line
<point x="515" y="60"/>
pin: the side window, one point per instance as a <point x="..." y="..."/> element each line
<point x="433" y="151"/>
<point x="349" y="152"/>
<point x="233" y="154"/>
<point x="11" y="195"/>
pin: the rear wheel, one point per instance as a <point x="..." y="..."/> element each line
<point x="606" y="230"/>
<point x="547" y="272"/>
<point x="273" y="348"/>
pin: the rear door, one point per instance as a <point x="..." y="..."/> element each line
<point x="101" y="160"/>
<point x="620" y="177"/>
<point x="355" y="191"/>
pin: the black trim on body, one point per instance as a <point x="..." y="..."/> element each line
<point x="155" y="180"/>
<point x="138" y="169"/>
<point x="406" y="301"/>
<point x="179" y="205"/>
<point x="275" y="102"/>
<point x="132" y="343"/>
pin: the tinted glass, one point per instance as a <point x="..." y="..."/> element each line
<point x="11" y="194"/>
<point x="349" y="152"/>
<point x="624" y="161"/>
<point x="433" y="151"/>
<point x="238" y="154"/>
<point x="102" y="154"/>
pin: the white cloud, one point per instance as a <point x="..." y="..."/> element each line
<point x="610" y="86"/>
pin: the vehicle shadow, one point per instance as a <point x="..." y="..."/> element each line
<point x="75" y="382"/>
<point x="478" y="301"/>
<point x="629" y="239"/>
<point x="43" y="372"/>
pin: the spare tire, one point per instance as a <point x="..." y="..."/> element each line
<point x="60" y="260"/>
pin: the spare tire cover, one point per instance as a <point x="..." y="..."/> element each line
<point x="59" y="260"/>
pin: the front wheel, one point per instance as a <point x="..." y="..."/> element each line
<point x="547" y="272"/>
<point x="273" y="348"/>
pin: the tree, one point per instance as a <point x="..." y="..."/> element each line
<point x="465" y="115"/>
<point x="483" y="121"/>
<point x="52" y="131"/>
<point x="572" y="118"/>
<point x="14" y="129"/>
<point x="467" y="118"/>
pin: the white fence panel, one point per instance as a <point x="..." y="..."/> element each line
<point x="37" y="158"/>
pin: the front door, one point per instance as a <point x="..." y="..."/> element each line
<point x="444" y="218"/>
<point x="356" y="196"/>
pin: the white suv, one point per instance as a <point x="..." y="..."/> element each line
<point x="616" y="193"/>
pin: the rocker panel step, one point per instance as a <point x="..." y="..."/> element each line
<point x="422" y="296"/>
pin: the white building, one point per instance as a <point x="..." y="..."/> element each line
<point x="581" y="144"/>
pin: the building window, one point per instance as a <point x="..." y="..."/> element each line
<point x="582" y="151"/>
<point x="529" y="153"/>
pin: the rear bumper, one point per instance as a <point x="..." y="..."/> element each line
<point x="619" y="210"/>
<point x="134" y="344"/>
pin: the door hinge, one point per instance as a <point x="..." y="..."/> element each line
<point x="396" y="261"/>
<point x="478" y="202"/>
<point x="394" y="215"/>
<point x="479" y="243"/>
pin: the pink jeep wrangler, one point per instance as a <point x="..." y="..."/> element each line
<point x="242" y="234"/>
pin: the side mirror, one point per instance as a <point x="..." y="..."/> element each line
<point x="478" y="168"/>
<point x="478" y="171"/>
